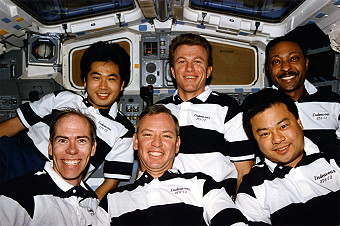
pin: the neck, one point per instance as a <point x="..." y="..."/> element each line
<point x="296" y="94"/>
<point x="185" y="96"/>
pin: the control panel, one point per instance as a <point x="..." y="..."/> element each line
<point x="155" y="69"/>
<point x="131" y="106"/>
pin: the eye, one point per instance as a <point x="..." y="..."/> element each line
<point x="95" y="78"/>
<point x="146" y="134"/>
<point x="82" y="141"/>
<point x="167" y="136"/>
<point x="61" y="140"/>
<point x="284" y="126"/>
<point x="295" y="58"/>
<point x="198" y="61"/>
<point x="181" y="62"/>
<point x="276" y="62"/>
<point x="113" y="78"/>
<point x="264" y="134"/>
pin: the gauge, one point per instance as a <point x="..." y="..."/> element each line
<point x="42" y="49"/>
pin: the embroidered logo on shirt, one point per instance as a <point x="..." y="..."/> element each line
<point x="178" y="191"/>
<point x="324" y="177"/>
<point x="103" y="127"/>
<point x="321" y="115"/>
<point x="199" y="117"/>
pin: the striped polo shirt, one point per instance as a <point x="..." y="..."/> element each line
<point x="212" y="135"/>
<point x="307" y="194"/>
<point x="114" y="131"/>
<point x="44" y="198"/>
<point x="172" y="199"/>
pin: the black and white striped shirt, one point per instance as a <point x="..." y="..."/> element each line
<point x="212" y="135"/>
<point x="114" y="131"/>
<point x="319" y="111"/>
<point x="44" y="198"/>
<point x="172" y="199"/>
<point x="307" y="194"/>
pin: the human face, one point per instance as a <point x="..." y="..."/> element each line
<point x="157" y="143"/>
<point x="279" y="135"/>
<point x="287" y="66"/>
<point x="190" y="70"/>
<point x="103" y="84"/>
<point x="71" y="148"/>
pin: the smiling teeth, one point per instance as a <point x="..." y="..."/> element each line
<point x="287" y="78"/>
<point x="71" y="162"/>
<point x="103" y="95"/>
<point x="281" y="149"/>
<point x="156" y="154"/>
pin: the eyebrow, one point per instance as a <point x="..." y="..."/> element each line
<point x="65" y="137"/>
<point x="163" y="131"/>
<point x="183" y="57"/>
<point x="290" y="53"/>
<point x="278" y="123"/>
<point x="97" y="73"/>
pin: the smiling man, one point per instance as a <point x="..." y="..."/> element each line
<point x="162" y="195"/>
<point x="213" y="139"/>
<point x="56" y="195"/>
<point x="319" y="108"/>
<point x="105" y="70"/>
<point x="295" y="184"/>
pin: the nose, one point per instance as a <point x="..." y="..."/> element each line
<point x="103" y="84"/>
<point x="286" y="66"/>
<point x="157" y="141"/>
<point x="277" y="137"/>
<point x="72" y="148"/>
<point x="190" y="66"/>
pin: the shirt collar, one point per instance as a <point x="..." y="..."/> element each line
<point x="309" y="87"/>
<point x="202" y="97"/>
<point x="112" y="111"/>
<point x="309" y="148"/>
<point x="145" y="177"/>
<point x="58" y="180"/>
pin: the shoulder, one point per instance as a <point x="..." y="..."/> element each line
<point x="122" y="119"/>
<point x="167" y="100"/>
<point x="222" y="99"/>
<point x="324" y="94"/>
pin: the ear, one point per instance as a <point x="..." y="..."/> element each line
<point x="173" y="72"/>
<point x="307" y="62"/>
<point x="94" y="148"/>
<point x="300" y="123"/>
<point x="122" y="86"/>
<point x="135" y="141"/>
<point x="178" y="143"/>
<point x="84" y="83"/>
<point x="209" y="70"/>
<point x="50" y="148"/>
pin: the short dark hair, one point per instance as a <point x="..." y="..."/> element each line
<point x="285" y="38"/>
<point x="191" y="40"/>
<point x="157" y="109"/>
<point x="71" y="111"/>
<point x="106" y="52"/>
<point x="262" y="100"/>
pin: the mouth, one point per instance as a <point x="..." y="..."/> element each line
<point x="288" y="75"/>
<point x="103" y="95"/>
<point x="282" y="150"/>
<point x="155" y="153"/>
<point x="71" y="162"/>
<point x="190" y="77"/>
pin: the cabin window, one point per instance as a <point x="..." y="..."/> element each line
<point x="261" y="10"/>
<point x="76" y="55"/>
<point x="51" y="12"/>
<point x="232" y="65"/>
